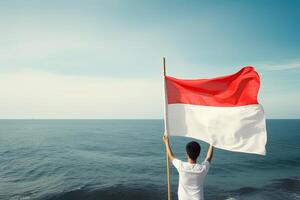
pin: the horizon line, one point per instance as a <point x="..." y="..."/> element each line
<point x="116" y="119"/>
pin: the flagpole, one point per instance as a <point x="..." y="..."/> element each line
<point x="166" y="125"/>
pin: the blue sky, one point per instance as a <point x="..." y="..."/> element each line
<point x="102" y="59"/>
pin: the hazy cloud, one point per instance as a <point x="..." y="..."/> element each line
<point x="37" y="94"/>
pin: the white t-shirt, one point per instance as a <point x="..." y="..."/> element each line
<point x="191" y="178"/>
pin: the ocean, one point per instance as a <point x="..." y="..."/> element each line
<point x="125" y="159"/>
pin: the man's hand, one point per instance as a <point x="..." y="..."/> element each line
<point x="165" y="139"/>
<point x="168" y="148"/>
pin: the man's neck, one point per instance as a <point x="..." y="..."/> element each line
<point x="192" y="161"/>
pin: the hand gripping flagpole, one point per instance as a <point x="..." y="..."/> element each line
<point x="166" y="129"/>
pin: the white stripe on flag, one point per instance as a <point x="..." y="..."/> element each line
<point x="241" y="128"/>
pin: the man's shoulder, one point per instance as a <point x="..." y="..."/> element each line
<point x="177" y="163"/>
<point x="186" y="166"/>
<point x="204" y="166"/>
<point x="198" y="167"/>
<point x="206" y="163"/>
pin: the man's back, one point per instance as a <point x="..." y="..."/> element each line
<point x="191" y="174"/>
<point x="191" y="178"/>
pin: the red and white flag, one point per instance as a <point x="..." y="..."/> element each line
<point x="222" y="111"/>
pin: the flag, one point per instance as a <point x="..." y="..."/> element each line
<point x="222" y="111"/>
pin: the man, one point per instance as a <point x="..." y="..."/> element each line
<point x="191" y="174"/>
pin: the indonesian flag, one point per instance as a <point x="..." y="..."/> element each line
<point x="221" y="111"/>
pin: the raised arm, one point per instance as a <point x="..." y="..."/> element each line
<point x="210" y="153"/>
<point x="168" y="148"/>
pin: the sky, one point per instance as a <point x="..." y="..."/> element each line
<point x="103" y="59"/>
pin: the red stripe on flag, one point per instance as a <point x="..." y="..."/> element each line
<point x="238" y="89"/>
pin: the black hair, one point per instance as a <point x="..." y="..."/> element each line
<point x="193" y="150"/>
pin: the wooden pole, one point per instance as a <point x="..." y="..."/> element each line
<point x="167" y="157"/>
<point x="164" y="61"/>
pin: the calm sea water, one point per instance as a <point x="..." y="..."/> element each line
<point x="125" y="159"/>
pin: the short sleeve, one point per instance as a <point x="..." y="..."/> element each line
<point x="206" y="165"/>
<point x="177" y="163"/>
